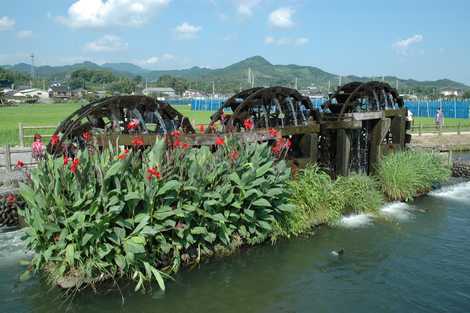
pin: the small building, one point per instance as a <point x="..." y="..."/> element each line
<point x="451" y="93"/>
<point x="60" y="92"/>
<point x="191" y="93"/>
<point x="159" y="92"/>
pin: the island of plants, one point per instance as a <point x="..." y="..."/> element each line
<point x="142" y="214"/>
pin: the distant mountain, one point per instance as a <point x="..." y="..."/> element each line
<point x="236" y="75"/>
<point x="125" y="68"/>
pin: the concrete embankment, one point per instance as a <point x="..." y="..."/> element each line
<point x="461" y="169"/>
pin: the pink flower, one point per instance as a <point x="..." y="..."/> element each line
<point x="201" y="128"/>
<point x="19" y="164"/>
<point x="11" y="198"/>
<point x="273" y="132"/>
<point x="234" y="154"/>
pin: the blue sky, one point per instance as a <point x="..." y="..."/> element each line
<point x="419" y="39"/>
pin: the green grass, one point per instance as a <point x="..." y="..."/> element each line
<point x="405" y="175"/>
<point x="53" y="114"/>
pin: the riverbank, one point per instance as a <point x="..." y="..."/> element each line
<point x="444" y="142"/>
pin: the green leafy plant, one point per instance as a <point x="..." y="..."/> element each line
<point x="141" y="214"/>
<point x="360" y="192"/>
<point x="405" y="175"/>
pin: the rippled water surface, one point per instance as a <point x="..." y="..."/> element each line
<point x="411" y="258"/>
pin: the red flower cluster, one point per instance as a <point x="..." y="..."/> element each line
<point x="273" y="132"/>
<point x="176" y="133"/>
<point x="201" y="128"/>
<point x="55" y="139"/>
<point x="11" y="198"/>
<point x="74" y="166"/>
<point x="133" y="124"/>
<point x="153" y="172"/>
<point x="219" y="141"/>
<point x="86" y="136"/>
<point x="280" y="145"/>
<point x="234" y="155"/>
<point x="123" y="155"/>
<point x="19" y="164"/>
<point x="66" y="160"/>
<point x="137" y="141"/>
<point x="248" y="124"/>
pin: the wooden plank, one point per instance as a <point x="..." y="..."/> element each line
<point x="398" y="112"/>
<point x="343" y="124"/>
<point x="8" y="158"/>
<point x="379" y="132"/>
<point x="39" y="127"/>
<point x="362" y="116"/>
<point x="398" y="131"/>
<point x="296" y="130"/>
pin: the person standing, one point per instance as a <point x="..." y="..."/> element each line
<point x="439" y="118"/>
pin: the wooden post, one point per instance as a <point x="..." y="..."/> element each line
<point x="458" y="128"/>
<point x="379" y="131"/>
<point x="8" y="158"/>
<point x="439" y="128"/>
<point x="449" y="159"/>
<point x="397" y="128"/>
<point x="313" y="155"/>
<point x="21" y="134"/>
<point x="343" y="151"/>
<point x="420" y="130"/>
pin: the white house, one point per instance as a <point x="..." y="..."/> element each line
<point x="159" y="91"/>
<point x="451" y="93"/>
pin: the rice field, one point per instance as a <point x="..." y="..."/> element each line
<point x="52" y="114"/>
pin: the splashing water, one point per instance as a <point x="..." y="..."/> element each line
<point x="355" y="220"/>
<point x="397" y="211"/>
<point x="460" y="192"/>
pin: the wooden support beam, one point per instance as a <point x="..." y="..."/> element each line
<point x="379" y="131"/>
<point x="343" y="151"/>
<point x="398" y="131"/>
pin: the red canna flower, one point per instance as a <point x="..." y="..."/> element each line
<point x="11" y="198"/>
<point x="248" y="124"/>
<point x="74" y="166"/>
<point x="234" y="154"/>
<point x="185" y="146"/>
<point x="133" y="124"/>
<point x="219" y="141"/>
<point x="55" y="139"/>
<point x="86" y="136"/>
<point x="201" y="128"/>
<point x="176" y="143"/>
<point x="123" y="155"/>
<point x="137" y="141"/>
<point x="66" y="160"/>
<point x="153" y="172"/>
<point x="280" y="145"/>
<point x="19" y="164"/>
<point x="222" y="117"/>
<point x="273" y="132"/>
<point x="175" y="133"/>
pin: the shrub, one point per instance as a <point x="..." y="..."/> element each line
<point x="141" y="214"/>
<point x="315" y="198"/>
<point x="360" y="194"/>
<point x="405" y="175"/>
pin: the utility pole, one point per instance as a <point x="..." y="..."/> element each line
<point x="252" y="80"/>
<point x="340" y="77"/>
<point x="249" y="75"/>
<point x="329" y="86"/>
<point x="32" y="70"/>
<point x="213" y="88"/>
<point x="296" y="81"/>
<point x="396" y="84"/>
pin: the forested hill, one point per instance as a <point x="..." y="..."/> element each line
<point x="234" y="76"/>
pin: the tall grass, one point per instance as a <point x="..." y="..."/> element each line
<point x="360" y="193"/>
<point x="404" y="175"/>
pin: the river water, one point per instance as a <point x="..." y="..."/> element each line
<point x="412" y="258"/>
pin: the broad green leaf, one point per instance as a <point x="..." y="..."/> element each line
<point x="168" y="186"/>
<point x="262" y="202"/>
<point x="198" y="230"/>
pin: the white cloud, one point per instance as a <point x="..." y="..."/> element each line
<point x="107" y="43"/>
<point x="245" y="7"/>
<point x="103" y="13"/>
<point x="282" y="17"/>
<point x="187" y="31"/>
<point x="283" y="41"/>
<point x="24" y="34"/>
<point x="6" y="23"/>
<point x="403" y="46"/>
